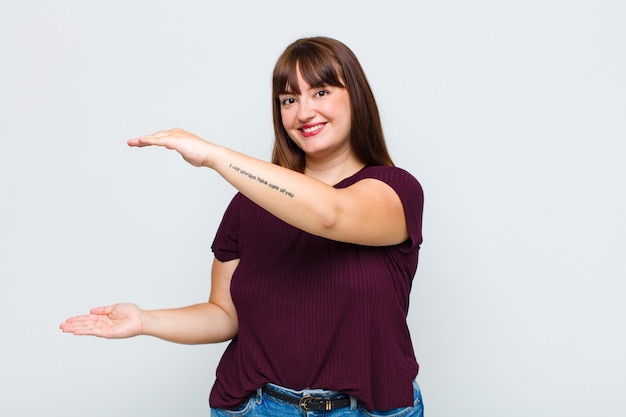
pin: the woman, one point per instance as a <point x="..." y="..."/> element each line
<point x="314" y="257"/>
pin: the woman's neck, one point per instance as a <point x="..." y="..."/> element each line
<point x="334" y="170"/>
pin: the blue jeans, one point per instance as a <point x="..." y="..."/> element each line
<point x="263" y="405"/>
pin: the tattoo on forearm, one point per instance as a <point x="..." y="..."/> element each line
<point x="262" y="181"/>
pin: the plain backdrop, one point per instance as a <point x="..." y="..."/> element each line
<point x="510" y="113"/>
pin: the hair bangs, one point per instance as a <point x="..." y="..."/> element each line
<point x="317" y="68"/>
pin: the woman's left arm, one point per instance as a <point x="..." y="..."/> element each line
<point x="368" y="212"/>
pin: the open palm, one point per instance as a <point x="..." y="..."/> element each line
<point x="113" y="322"/>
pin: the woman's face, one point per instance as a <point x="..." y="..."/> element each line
<point x="318" y="119"/>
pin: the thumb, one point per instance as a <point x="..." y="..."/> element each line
<point x="102" y="310"/>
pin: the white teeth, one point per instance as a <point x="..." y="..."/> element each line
<point x="312" y="129"/>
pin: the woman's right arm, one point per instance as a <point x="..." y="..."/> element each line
<point x="210" y="322"/>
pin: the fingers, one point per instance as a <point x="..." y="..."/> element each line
<point x="147" y="140"/>
<point x="82" y="325"/>
<point x="158" y="138"/>
<point x="142" y="141"/>
<point x="86" y="324"/>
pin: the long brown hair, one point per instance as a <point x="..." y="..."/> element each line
<point x="325" y="61"/>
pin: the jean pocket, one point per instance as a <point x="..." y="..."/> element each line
<point x="398" y="412"/>
<point x="416" y="410"/>
<point x="243" y="410"/>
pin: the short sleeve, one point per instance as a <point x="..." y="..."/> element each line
<point x="225" y="245"/>
<point x="412" y="197"/>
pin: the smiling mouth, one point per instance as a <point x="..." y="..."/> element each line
<point x="311" y="130"/>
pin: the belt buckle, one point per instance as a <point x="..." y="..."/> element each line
<point x="304" y="402"/>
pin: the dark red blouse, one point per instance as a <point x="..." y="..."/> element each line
<point x="316" y="313"/>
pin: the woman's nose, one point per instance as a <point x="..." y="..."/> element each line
<point x="306" y="109"/>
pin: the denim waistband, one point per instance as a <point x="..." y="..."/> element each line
<point x="321" y="393"/>
<point x="324" y="393"/>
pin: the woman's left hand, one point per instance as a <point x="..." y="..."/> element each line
<point x="192" y="148"/>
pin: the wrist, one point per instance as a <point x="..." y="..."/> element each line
<point x="215" y="154"/>
<point x="144" y="320"/>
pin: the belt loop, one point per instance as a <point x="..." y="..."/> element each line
<point x="259" y="395"/>
<point x="353" y="403"/>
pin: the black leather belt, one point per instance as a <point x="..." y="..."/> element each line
<point x="309" y="402"/>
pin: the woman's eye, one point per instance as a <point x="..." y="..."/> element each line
<point x="322" y="93"/>
<point x="287" y="101"/>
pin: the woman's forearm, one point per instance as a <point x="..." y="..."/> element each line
<point x="195" y="324"/>
<point x="297" y="199"/>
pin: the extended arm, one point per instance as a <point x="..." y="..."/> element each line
<point x="210" y="322"/>
<point x="368" y="212"/>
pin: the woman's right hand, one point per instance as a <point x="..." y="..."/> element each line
<point x="192" y="148"/>
<point x="116" y="321"/>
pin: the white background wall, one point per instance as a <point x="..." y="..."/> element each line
<point x="511" y="114"/>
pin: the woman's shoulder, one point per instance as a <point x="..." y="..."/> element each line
<point x="392" y="175"/>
